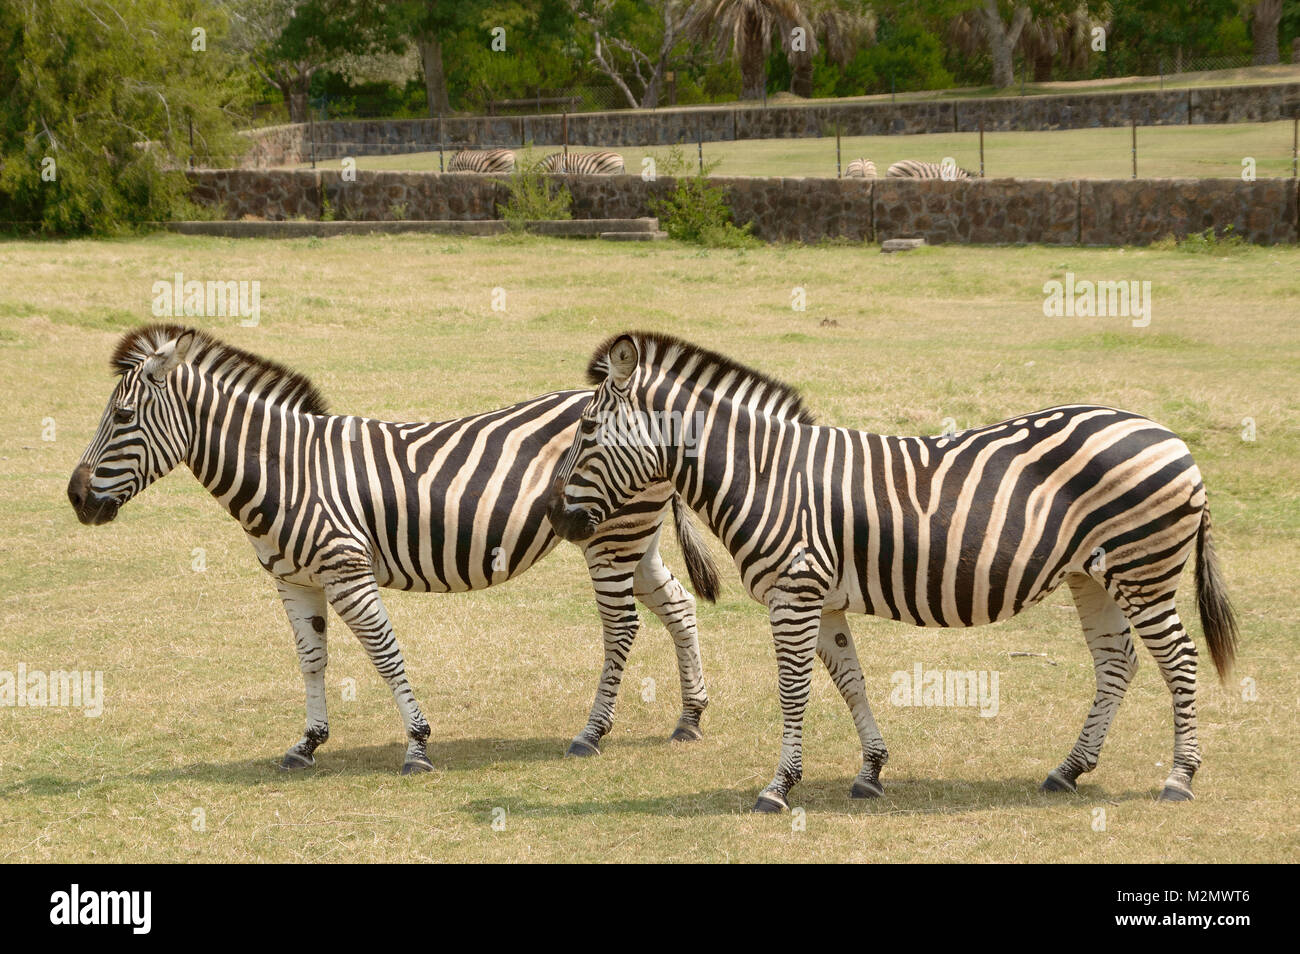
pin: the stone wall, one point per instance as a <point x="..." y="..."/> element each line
<point x="983" y="211"/>
<point x="284" y="145"/>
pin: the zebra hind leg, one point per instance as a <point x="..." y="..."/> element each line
<point x="307" y="609"/>
<point x="656" y="587"/>
<point x="1114" y="661"/>
<point x="836" y="650"/>
<point x="355" y="597"/>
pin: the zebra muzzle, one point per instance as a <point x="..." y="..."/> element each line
<point x="90" y="508"/>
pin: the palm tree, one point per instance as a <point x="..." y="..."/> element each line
<point x="840" y="26"/>
<point x="746" y="26"/>
<point x="1265" y="15"/>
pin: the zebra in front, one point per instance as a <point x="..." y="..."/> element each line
<point x="955" y="531"/>
<point x="337" y="506"/>
<point x="916" y="169"/>
<point x="483" y="161"/>
<point x="584" y="163"/>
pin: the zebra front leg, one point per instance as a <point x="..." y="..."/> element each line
<point x="355" y="597"/>
<point x="794" y="631"/>
<point x="306" y="609"/>
<point x="1114" y="661"/>
<point x="836" y="650"/>
<point x="656" y="587"/>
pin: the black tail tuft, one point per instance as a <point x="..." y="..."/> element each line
<point x="699" y="562"/>
<point x="1217" y="618"/>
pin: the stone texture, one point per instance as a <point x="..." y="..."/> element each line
<point x="1140" y="211"/>
<point x="289" y="145"/>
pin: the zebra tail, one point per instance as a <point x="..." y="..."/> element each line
<point x="1217" y="619"/>
<point x="699" y="562"/>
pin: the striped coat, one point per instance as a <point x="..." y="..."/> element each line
<point x="337" y="506"/>
<point x="483" y="161"/>
<point x="584" y="163"/>
<point x="915" y="169"/>
<point x="860" y="169"/>
<point x="951" y="531"/>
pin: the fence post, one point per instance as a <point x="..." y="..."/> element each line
<point x="699" y="140"/>
<point x="838" y="174"/>
<point x="564" y="123"/>
<point x="190" y="119"/>
<point x="311" y="128"/>
<point x="1295" y="145"/>
<point x="1135" y="148"/>
<point x="981" y="145"/>
<point x="440" y="166"/>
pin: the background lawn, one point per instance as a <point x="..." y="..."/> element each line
<point x="203" y="693"/>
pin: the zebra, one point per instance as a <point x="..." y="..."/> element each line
<point x="860" y="169"/>
<point x="337" y="506"/>
<point x="955" y="531"/>
<point x="584" y="163"/>
<point x="483" y="161"/>
<point x="916" y="169"/>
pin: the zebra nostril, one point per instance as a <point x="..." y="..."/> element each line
<point x="78" y="486"/>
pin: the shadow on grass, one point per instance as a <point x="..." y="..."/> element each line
<point x="830" y="796"/>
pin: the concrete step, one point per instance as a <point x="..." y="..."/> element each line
<point x="655" y="236"/>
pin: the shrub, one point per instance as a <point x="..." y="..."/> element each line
<point x="534" y="195"/>
<point x="696" y="211"/>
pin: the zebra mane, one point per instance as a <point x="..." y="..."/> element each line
<point x="261" y="376"/>
<point x="666" y="351"/>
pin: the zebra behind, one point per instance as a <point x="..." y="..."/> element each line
<point x="860" y="169"/>
<point x="483" y="161"/>
<point x="337" y="506"/>
<point x="950" y="531"/>
<point x="584" y="163"/>
<point x="916" y="169"/>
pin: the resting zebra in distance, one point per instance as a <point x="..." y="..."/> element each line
<point x="951" y="531"/>
<point x="584" y="163"/>
<point x="483" y="161"/>
<point x="337" y="506"/>
<point x="860" y="169"/>
<point x="916" y="169"/>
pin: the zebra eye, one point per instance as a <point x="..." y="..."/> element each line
<point x="124" y="415"/>
<point x="588" y="425"/>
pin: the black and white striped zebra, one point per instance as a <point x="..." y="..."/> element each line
<point x="916" y="169"/>
<point x="337" y="506"/>
<point x="860" y="169"/>
<point x="584" y="163"/>
<point x="955" y="530"/>
<point x="483" y="161"/>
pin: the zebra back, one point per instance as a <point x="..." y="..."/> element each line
<point x="916" y="169"/>
<point x="483" y="161"/>
<point x="860" y="169"/>
<point x="584" y="163"/>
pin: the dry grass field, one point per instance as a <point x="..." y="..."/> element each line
<point x="202" y="693"/>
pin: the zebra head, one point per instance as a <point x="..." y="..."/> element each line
<point x="143" y="433"/>
<point x="616" y="454"/>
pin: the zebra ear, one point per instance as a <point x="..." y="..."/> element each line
<point x="623" y="358"/>
<point x="168" y="357"/>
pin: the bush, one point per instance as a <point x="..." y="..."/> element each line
<point x="534" y="195"/>
<point x="696" y="211"/>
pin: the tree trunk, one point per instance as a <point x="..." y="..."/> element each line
<point x="650" y="98"/>
<point x="296" y="87"/>
<point x="1043" y="66"/>
<point x="1002" y="40"/>
<point x="801" y="75"/>
<point x="1263" y="30"/>
<point x="435" y="79"/>
<point x="753" y="62"/>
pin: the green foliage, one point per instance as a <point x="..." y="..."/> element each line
<point x="99" y="101"/>
<point x="534" y="195"/>
<point x="1206" y="243"/>
<point x="696" y="210"/>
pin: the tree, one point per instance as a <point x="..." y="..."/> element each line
<point x="838" y="28"/>
<point x="100" y="100"/>
<point x="620" y="38"/>
<point x="288" y="41"/>
<point x="1264" y="19"/>
<point x="1001" y="37"/>
<point x="746" y="26"/>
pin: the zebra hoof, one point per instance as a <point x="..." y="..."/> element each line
<point x="685" y="732"/>
<point x="863" y="788"/>
<point x="294" y="760"/>
<point x="581" y="749"/>
<point x="1173" y="792"/>
<point x="417" y="767"/>
<point x="769" y="804"/>
<point x="1057" y="783"/>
